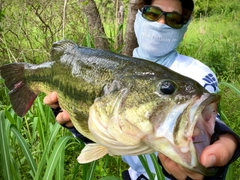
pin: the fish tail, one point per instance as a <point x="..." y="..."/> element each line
<point x="21" y="95"/>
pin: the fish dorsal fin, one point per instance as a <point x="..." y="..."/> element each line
<point x="91" y="152"/>
<point x="59" y="47"/>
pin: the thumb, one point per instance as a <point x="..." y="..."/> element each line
<point x="220" y="152"/>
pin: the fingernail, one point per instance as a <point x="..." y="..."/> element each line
<point x="210" y="161"/>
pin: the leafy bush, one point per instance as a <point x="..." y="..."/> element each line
<point x="211" y="7"/>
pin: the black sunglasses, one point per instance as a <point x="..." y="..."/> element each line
<point x="154" y="13"/>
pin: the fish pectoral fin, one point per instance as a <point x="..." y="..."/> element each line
<point x="91" y="152"/>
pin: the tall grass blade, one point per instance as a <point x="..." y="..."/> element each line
<point x="47" y="148"/>
<point x="229" y="175"/>
<point x="85" y="171"/>
<point x="40" y="123"/>
<point x="158" y="168"/>
<point x="104" y="167"/>
<point x="231" y="86"/>
<point x="55" y="155"/>
<point x="146" y="167"/>
<point x="25" y="149"/>
<point x="10" y="117"/>
<point x="41" y="133"/>
<point x="75" y="172"/>
<point x="4" y="148"/>
<point x="42" y="112"/>
<point x="59" y="173"/>
<point x="91" y="170"/>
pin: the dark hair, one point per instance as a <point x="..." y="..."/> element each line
<point x="187" y="7"/>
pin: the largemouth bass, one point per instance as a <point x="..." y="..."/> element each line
<point x="128" y="106"/>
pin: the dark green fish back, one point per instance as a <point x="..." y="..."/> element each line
<point x="58" y="49"/>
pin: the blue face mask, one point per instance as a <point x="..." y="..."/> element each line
<point x="157" y="42"/>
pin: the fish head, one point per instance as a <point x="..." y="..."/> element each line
<point x="182" y="116"/>
<point x="155" y="110"/>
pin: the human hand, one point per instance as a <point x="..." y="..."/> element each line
<point x="177" y="170"/>
<point x="63" y="117"/>
<point x="218" y="154"/>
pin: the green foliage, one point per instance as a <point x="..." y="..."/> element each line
<point x="5" y="154"/>
<point x="213" y="7"/>
<point x="203" y="7"/>
<point x="15" y="136"/>
<point x="1" y="18"/>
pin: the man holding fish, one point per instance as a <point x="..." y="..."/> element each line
<point x="160" y="26"/>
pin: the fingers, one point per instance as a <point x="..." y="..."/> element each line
<point x="217" y="154"/>
<point x="176" y="170"/>
<point x="220" y="152"/>
<point x="171" y="167"/>
<point x="62" y="117"/>
<point x="51" y="100"/>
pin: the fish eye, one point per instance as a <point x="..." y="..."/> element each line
<point x="168" y="87"/>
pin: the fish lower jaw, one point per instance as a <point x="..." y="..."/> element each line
<point x="204" y="127"/>
<point x="184" y="149"/>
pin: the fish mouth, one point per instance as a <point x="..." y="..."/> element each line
<point x="202" y="118"/>
<point x="205" y="122"/>
<point x="204" y="127"/>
